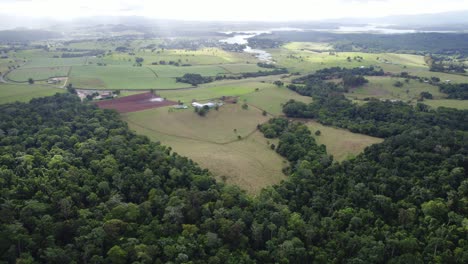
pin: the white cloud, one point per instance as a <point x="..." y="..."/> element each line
<point x="228" y="10"/>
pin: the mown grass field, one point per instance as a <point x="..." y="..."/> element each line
<point x="10" y="93"/>
<point x="341" y="143"/>
<point x="43" y="73"/>
<point x="383" y="88"/>
<point x="212" y="142"/>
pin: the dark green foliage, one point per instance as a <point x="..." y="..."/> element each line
<point x="376" y="118"/>
<point x="194" y="79"/>
<point x="455" y="91"/>
<point x="416" y="43"/>
<point x="353" y="81"/>
<point x="266" y="65"/>
<point x="78" y="186"/>
<point x="398" y="84"/>
<point x="426" y="95"/>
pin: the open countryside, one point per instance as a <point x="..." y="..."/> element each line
<point x="139" y="139"/>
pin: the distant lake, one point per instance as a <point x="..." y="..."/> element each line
<point x="242" y="38"/>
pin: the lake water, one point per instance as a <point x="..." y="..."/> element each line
<point x="242" y="38"/>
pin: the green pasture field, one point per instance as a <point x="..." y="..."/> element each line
<point x="54" y="62"/>
<point x="304" y="61"/>
<point x="272" y="98"/>
<point x="203" y="93"/>
<point x="10" y="93"/>
<point x="383" y="87"/>
<point x="212" y="142"/>
<point x="242" y="68"/>
<point x="120" y="77"/>
<point x="175" y="71"/>
<point x="341" y="143"/>
<point x="205" y="56"/>
<point x="44" y="73"/>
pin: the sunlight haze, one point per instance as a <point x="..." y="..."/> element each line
<point x="227" y="10"/>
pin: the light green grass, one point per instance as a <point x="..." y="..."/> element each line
<point x="206" y="56"/>
<point x="341" y="143"/>
<point x="308" y="46"/>
<point x="303" y="61"/>
<point x="458" y="104"/>
<point x="174" y="71"/>
<point x="24" y="92"/>
<point x="242" y="68"/>
<point x="383" y="88"/>
<point x="272" y="98"/>
<point x="217" y="91"/>
<point x="120" y="77"/>
<point x="212" y="142"/>
<point x="216" y="126"/>
<point x="53" y="62"/>
<point x="44" y="73"/>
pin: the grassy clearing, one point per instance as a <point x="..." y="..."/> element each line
<point x="221" y="126"/>
<point x="455" y="78"/>
<point x="212" y="142"/>
<point x="271" y="99"/>
<point x="341" y="143"/>
<point x="383" y="87"/>
<point x="458" y="104"/>
<point x="211" y="92"/>
<point x="23" y="74"/>
<point x="24" y="92"/>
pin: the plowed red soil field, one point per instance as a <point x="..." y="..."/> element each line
<point x="134" y="103"/>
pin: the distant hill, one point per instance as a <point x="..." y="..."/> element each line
<point x="27" y="35"/>
<point x="452" y="19"/>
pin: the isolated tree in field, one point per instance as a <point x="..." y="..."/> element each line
<point x="398" y="84"/>
<point x="318" y="133"/>
<point x="278" y="83"/>
<point x="30" y="80"/>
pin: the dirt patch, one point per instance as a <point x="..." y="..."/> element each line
<point x="134" y="103"/>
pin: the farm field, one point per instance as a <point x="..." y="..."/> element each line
<point x="53" y="62"/>
<point x="174" y="71"/>
<point x="293" y="57"/>
<point x="271" y="99"/>
<point x="119" y="77"/>
<point x="212" y="142"/>
<point x="211" y="91"/>
<point x="341" y="143"/>
<point x="383" y="88"/>
<point x="43" y="73"/>
<point x="10" y="93"/>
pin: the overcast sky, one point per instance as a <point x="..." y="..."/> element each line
<point x="269" y="10"/>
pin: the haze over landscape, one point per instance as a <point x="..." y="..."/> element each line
<point x="233" y="131"/>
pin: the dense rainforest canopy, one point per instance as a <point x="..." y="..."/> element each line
<point x="77" y="186"/>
